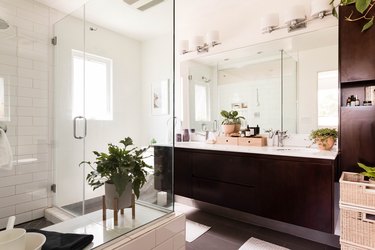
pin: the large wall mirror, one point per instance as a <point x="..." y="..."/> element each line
<point x="288" y="84"/>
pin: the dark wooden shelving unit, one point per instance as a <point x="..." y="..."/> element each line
<point x="357" y="70"/>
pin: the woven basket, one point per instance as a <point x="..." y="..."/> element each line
<point x="348" y="246"/>
<point x="357" y="226"/>
<point x="354" y="190"/>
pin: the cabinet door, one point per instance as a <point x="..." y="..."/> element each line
<point x="298" y="192"/>
<point x="225" y="194"/>
<point x="226" y="167"/>
<point x="356" y="49"/>
<point x="182" y="173"/>
<point x="357" y="137"/>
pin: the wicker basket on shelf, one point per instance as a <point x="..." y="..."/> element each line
<point x="354" y="190"/>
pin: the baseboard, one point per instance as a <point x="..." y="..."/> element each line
<point x="56" y="215"/>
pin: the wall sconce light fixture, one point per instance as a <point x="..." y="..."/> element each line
<point x="199" y="44"/>
<point x="295" y="18"/>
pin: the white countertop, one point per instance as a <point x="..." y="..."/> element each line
<point x="280" y="151"/>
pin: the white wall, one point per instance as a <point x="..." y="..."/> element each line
<point x="237" y="21"/>
<point x="157" y="62"/>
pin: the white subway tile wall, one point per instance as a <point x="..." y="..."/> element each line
<point x="26" y="66"/>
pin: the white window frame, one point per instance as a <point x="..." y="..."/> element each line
<point x="84" y="56"/>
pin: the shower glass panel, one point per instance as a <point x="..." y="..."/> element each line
<point x="68" y="95"/>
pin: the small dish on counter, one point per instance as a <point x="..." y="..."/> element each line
<point x="34" y="241"/>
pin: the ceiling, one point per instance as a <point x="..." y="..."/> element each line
<point x="120" y="17"/>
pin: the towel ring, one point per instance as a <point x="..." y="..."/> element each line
<point x="3" y="127"/>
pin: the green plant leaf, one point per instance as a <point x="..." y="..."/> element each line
<point x="120" y="182"/>
<point x="368" y="24"/>
<point x="334" y="12"/>
<point x="362" y="5"/>
<point x="347" y="2"/>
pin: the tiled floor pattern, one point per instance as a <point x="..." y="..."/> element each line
<point x="226" y="234"/>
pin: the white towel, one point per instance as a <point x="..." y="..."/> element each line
<point x="6" y="157"/>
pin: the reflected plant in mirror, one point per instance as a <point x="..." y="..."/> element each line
<point x="231" y="122"/>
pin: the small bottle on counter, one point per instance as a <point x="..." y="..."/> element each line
<point x="185" y="135"/>
<point x="247" y="131"/>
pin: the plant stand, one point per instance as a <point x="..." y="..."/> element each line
<point x="116" y="210"/>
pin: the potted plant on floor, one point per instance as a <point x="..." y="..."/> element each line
<point x="121" y="171"/>
<point x="369" y="172"/>
<point x="325" y="138"/>
<point x="231" y="122"/>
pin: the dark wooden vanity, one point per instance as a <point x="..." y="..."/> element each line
<point x="294" y="190"/>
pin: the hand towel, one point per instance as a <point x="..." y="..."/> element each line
<point x="64" y="241"/>
<point x="6" y="157"/>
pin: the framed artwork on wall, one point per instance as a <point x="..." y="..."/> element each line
<point x="160" y="98"/>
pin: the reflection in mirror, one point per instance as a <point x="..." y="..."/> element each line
<point x="277" y="85"/>
<point x="328" y="99"/>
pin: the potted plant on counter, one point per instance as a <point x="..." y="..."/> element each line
<point x="121" y="171"/>
<point x="231" y="122"/>
<point x="325" y="138"/>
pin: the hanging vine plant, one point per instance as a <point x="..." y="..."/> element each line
<point x="365" y="9"/>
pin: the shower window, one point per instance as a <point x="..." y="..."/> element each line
<point x="201" y="102"/>
<point x="95" y="85"/>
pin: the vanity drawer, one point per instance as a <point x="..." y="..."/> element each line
<point x="227" y="140"/>
<point x="253" y="141"/>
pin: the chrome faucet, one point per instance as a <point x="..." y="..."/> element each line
<point x="281" y="135"/>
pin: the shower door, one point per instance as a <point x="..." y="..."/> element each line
<point x="69" y="124"/>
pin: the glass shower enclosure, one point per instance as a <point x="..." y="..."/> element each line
<point x="103" y="80"/>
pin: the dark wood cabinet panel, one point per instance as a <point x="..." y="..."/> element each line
<point x="289" y="189"/>
<point x="182" y="173"/>
<point x="357" y="137"/>
<point x="163" y="168"/>
<point x="356" y="49"/>
<point x="298" y="192"/>
<point x="226" y="194"/>
<point x="234" y="169"/>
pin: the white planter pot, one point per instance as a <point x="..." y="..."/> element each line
<point x="124" y="201"/>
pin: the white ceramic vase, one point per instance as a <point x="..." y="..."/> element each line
<point x="124" y="201"/>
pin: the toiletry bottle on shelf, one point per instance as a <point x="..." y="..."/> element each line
<point x="357" y="102"/>
<point x="352" y="100"/>
<point x="348" y="101"/>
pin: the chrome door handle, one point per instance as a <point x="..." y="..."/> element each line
<point x="75" y="127"/>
